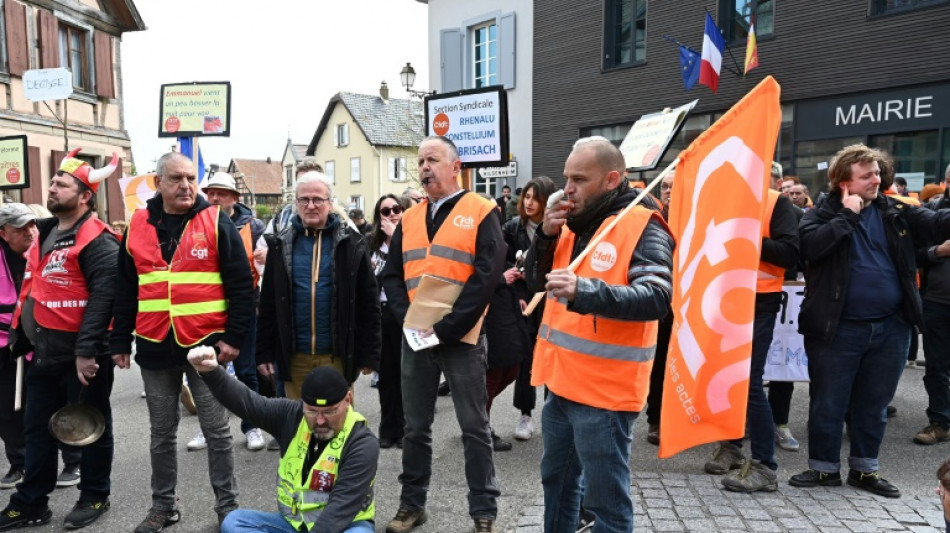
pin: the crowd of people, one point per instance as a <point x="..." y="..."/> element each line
<point x="302" y="306"/>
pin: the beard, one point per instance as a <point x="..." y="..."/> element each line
<point x="61" y="206"/>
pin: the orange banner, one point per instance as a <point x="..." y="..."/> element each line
<point x="716" y="215"/>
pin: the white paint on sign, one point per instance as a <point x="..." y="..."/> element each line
<point x="509" y="171"/>
<point x="47" y="84"/>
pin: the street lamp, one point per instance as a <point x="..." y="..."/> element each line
<point x="408" y="77"/>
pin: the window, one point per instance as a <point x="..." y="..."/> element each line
<point x="341" y="135"/>
<point x="614" y="133"/>
<point x="355" y="169"/>
<point x="485" y="55"/>
<point x="884" y="7"/>
<point x="397" y="169"/>
<point x="290" y="176"/>
<point x="330" y="170"/>
<point x="356" y="202"/>
<point x="736" y="16"/>
<point x="73" y="54"/>
<point x="625" y="32"/>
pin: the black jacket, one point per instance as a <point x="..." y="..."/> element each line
<point x="489" y="265"/>
<point x="510" y="334"/>
<point x="235" y="276"/>
<point x="97" y="262"/>
<point x="649" y="292"/>
<point x="825" y="233"/>
<point x="355" y="304"/>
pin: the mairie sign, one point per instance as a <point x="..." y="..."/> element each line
<point x="509" y="171"/>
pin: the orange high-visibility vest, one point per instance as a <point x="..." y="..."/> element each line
<point x="188" y="295"/>
<point x="770" y="277"/>
<point x="56" y="282"/>
<point x="247" y="239"/>
<point x="451" y="254"/>
<point x="594" y="360"/>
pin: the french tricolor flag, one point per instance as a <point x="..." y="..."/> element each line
<point x="713" y="47"/>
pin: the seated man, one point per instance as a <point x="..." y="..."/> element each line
<point x="325" y="488"/>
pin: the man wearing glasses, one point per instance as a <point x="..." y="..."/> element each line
<point x="319" y="301"/>
<point x="328" y="453"/>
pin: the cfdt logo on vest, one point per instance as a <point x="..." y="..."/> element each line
<point x="464" y="222"/>
<point x="604" y="257"/>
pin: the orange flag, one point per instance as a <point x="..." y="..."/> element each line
<point x="716" y="215"/>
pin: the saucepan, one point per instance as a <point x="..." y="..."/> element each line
<point x="78" y="424"/>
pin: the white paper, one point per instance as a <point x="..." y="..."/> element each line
<point x="417" y="341"/>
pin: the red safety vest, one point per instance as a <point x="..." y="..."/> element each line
<point x="595" y="360"/>
<point x="187" y="296"/>
<point x="770" y="277"/>
<point x="56" y="281"/>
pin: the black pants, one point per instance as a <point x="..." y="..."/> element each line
<point x="391" y="419"/>
<point x="655" y="398"/>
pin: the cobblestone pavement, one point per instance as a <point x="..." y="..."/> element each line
<point x="688" y="502"/>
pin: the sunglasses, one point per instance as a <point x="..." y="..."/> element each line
<point x="386" y="211"/>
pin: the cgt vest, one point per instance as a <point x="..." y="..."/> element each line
<point x="770" y="277"/>
<point x="302" y="503"/>
<point x="56" y="281"/>
<point x="593" y="360"/>
<point x="187" y="295"/>
<point x="451" y="254"/>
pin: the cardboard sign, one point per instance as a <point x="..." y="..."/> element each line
<point x="14" y="163"/>
<point x="195" y="109"/>
<point x="476" y="121"/>
<point x="433" y="300"/>
<point x="649" y="137"/>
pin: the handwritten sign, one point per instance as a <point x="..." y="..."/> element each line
<point x="647" y="140"/>
<point x="787" y="360"/>
<point x="195" y="109"/>
<point x="14" y="163"/>
<point x="47" y="84"/>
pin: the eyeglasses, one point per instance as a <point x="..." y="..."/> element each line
<point x="666" y="187"/>
<point x="325" y="413"/>
<point x="386" y="211"/>
<point x="316" y="201"/>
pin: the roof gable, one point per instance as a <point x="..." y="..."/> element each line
<point x="392" y="122"/>
<point x="264" y="177"/>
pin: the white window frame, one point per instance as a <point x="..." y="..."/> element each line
<point x="355" y="170"/>
<point x="397" y="169"/>
<point x="329" y="170"/>
<point x="489" y="78"/>
<point x="341" y="135"/>
<point x="356" y="201"/>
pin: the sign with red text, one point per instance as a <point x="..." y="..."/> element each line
<point x="715" y="265"/>
<point x="14" y="163"/>
<point x="195" y="109"/>
<point x="476" y="121"/>
<point x="649" y="137"/>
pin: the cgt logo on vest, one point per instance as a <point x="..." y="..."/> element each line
<point x="199" y="250"/>
<point x="464" y="222"/>
<point x="604" y="257"/>
<point x="57" y="260"/>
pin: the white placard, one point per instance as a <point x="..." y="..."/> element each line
<point x="417" y="341"/>
<point x="47" y="84"/>
<point x="644" y="144"/>
<point x="915" y="180"/>
<point x="787" y="360"/>
<point x="476" y="122"/>
<point x="510" y="171"/>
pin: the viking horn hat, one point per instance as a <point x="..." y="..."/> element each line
<point x="83" y="171"/>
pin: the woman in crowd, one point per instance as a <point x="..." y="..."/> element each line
<point x="510" y="335"/>
<point x="386" y="215"/>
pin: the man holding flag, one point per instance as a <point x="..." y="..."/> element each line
<point x="598" y="336"/>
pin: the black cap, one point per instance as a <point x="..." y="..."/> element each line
<point x="324" y="385"/>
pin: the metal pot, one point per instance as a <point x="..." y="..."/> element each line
<point x="77" y="424"/>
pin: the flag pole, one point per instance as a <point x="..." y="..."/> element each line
<point x="600" y="237"/>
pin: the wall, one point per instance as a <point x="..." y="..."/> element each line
<point x="445" y="14"/>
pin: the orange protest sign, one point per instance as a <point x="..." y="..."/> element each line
<point x="716" y="215"/>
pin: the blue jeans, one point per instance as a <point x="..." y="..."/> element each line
<point x="250" y="521"/>
<point x="464" y="368"/>
<point x="579" y="439"/>
<point x="245" y="366"/>
<point x="760" y="427"/>
<point x="48" y="388"/>
<point x="937" y="354"/>
<point x="860" y="368"/>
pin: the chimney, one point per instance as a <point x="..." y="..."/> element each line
<point x="384" y="91"/>
<point x="268" y="160"/>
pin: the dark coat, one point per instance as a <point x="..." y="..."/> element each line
<point x="355" y="304"/>
<point x="825" y="233"/>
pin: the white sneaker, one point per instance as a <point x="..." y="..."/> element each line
<point x="198" y="442"/>
<point x="785" y="440"/>
<point x="255" y="440"/>
<point x="525" y="428"/>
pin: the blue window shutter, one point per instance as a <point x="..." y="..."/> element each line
<point x="506" y="50"/>
<point x="451" y="60"/>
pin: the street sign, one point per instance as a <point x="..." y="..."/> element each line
<point x="489" y="173"/>
<point x="47" y="84"/>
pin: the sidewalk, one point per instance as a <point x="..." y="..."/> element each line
<point x="697" y="502"/>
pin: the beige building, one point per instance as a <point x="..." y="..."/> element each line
<point x="82" y="36"/>
<point x="293" y="154"/>
<point x="368" y="145"/>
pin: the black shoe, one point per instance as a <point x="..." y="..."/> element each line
<point x="399" y="443"/>
<point x="873" y="482"/>
<point x="156" y="521"/>
<point x="499" y="445"/>
<point x="14" y="476"/>
<point x="891" y="411"/>
<point x="11" y="518"/>
<point x="814" y="478"/>
<point x="444" y="389"/>
<point x="69" y="477"/>
<point x="85" y="513"/>
<point x="386" y="442"/>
